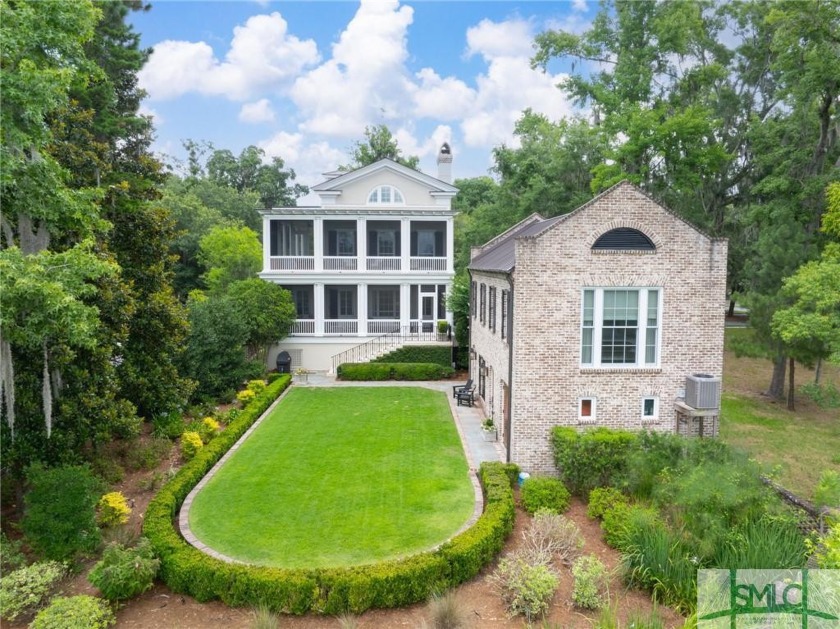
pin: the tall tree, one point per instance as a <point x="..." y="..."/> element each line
<point x="42" y="47"/>
<point x="378" y="144"/>
<point x="229" y="254"/>
<point x="252" y="172"/>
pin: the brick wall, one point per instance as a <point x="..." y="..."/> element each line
<point x="551" y="271"/>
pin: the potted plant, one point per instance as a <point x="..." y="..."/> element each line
<point x="442" y="330"/>
<point x="489" y="429"/>
<point x="301" y="374"/>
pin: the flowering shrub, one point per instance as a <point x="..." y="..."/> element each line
<point x="207" y="429"/>
<point x="590" y="582"/>
<point x="112" y="509"/>
<point x="75" y="612"/>
<point x="191" y="443"/>
<point x="257" y="386"/>
<point x="245" y="397"/>
<point x="24" y="590"/>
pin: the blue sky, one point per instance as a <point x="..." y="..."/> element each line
<point x="303" y="79"/>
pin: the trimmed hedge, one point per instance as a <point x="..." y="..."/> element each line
<point x="437" y="354"/>
<point x="397" y="583"/>
<point x="590" y="459"/>
<point x="393" y="371"/>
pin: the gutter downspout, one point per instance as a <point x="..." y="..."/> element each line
<point x="509" y="434"/>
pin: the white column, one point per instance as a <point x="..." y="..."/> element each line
<point x="361" y="243"/>
<point x="405" y="244"/>
<point x="362" y="310"/>
<point x="318" y="250"/>
<point x="319" y="309"/>
<point x="266" y="243"/>
<point x="405" y="306"/>
<point x="450" y="245"/>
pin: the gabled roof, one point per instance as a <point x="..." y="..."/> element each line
<point x="500" y="253"/>
<point x="339" y="182"/>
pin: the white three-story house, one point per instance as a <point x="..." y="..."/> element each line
<point x="374" y="258"/>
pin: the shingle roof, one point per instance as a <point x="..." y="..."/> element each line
<point x="502" y="255"/>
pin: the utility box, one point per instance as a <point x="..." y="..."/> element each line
<point x="702" y="391"/>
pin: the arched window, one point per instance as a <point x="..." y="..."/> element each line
<point x="624" y="239"/>
<point x="385" y="195"/>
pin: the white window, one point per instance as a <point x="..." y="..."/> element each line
<point x="650" y="408"/>
<point x="385" y="195"/>
<point x="425" y="242"/>
<point x="620" y="327"/>
<point x="346" y="303"/>
<point x="346" y="240"/>
<point x="586" y="409"/>
<point x="385" y="243"/>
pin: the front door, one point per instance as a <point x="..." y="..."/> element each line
<point x="427" y="312"/>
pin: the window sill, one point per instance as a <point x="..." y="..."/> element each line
<point x="648" y="421"/>
<point x="631" y="369"/>
<point x="587" y="422"/>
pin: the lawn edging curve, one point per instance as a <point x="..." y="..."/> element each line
<point x="188" y="570"/>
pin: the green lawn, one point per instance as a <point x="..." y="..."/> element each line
<point x="337" y="477"/>
<point x="802" y="443"/>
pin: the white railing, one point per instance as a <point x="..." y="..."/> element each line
<point x="340" y="263"/>
<point x="391" y="340"/>
<point x="428" y="264"/>
<point x="383" y="326"/>
<point x="341" y="326"/>
<point x="292" y="263"/>
<point x="302" y="326"/>
<point x="384" y="263"/>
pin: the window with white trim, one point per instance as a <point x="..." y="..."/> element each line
<point x="586" y="409"/>
<point x="650" y="408"/>
<point x="620" y="327"/>
<point x="504" y="313"/>
<point x="385" y="195"/>
<point x="483" y="304"/>
<point x="492" y="309"/>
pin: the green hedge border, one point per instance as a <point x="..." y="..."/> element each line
<point x="438" y="354"/>
<point x="393" y="371"/>
<point x="187" y="570"/>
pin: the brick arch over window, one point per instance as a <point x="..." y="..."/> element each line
<point x="624" y="236"/>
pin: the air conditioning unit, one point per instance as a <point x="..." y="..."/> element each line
<point x="702" y="391"/>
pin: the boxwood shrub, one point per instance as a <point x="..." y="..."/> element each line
<point x="593" y="458"/>
<point x="393" y="371"/>
<point x="397" y="583"/>
<point x="437" y="354"/>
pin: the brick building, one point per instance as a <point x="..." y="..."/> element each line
<point x="597" y="318"/>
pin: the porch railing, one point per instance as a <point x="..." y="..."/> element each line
<point x="383" y="326"/>
<point x="303" y="326"/>
<point x="292" y="263"/>
<point x="340" y="263"/>
<point x="341" y="326"/>
<point x="428" y="264"/>
<point x="384" y="343"/>
<point x="384" y="263"/>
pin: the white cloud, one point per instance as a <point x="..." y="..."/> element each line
<point x="262" y="56"/>
<point x="444" y="99"/>
<point x="308" y="159"/>
<point x="157" y="119"/>
<point x="510" y="85"/>
<point x="257" y="112"/>
<point x="580" y="6"/>
<point x="365" y="80"/>
<point x="510" y="38"/>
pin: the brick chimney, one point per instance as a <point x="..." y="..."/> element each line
<point x="444" y="163"/>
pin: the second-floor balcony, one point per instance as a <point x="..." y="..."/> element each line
<point x="362" y="245"/>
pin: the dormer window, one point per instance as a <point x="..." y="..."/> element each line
<point x="385" y="195"/>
